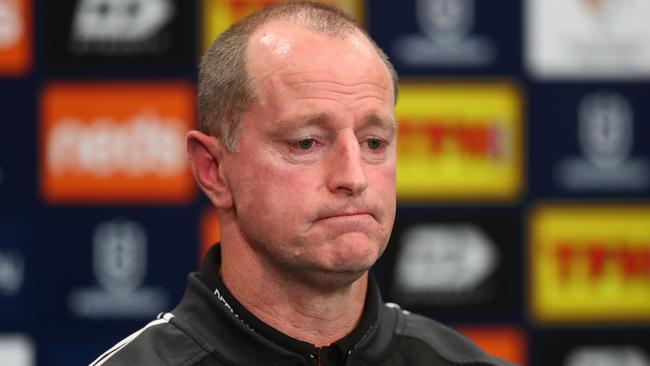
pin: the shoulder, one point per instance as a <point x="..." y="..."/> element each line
<point x="160" y="342"/>
<point x="430" y="336"/>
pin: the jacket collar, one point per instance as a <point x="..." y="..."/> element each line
<point x="220" y="323"/>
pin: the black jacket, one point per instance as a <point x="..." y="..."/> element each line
<point x="205" y="330"/>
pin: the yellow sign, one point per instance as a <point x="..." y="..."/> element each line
<point x="218" y="15"/>
<point x="590" y="263"/>
<point x="459" y="141"/>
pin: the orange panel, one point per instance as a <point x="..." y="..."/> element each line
<point x="508" y="343"/>
<point x="116" y="143"/>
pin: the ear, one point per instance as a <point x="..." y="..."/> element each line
<point x="205" y="155"/>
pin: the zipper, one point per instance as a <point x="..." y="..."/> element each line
<point x="318" y="356"/>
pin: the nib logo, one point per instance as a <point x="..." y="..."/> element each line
<point x="120" y="25"/>
<point x="122" y="141"/>
<point x="144" y="144"/>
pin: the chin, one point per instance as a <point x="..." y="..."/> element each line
<point x="335" y="278"/>
<point x="353" y="253"/>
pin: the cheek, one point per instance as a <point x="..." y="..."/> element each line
<point x="266" y="190"/>
<point x="384" y="184"/>
<point x="384" y="179"/>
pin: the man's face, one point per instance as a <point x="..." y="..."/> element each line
<point x="313" y="179"/>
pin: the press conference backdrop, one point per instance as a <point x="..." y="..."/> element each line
<point x="523" y="179"/>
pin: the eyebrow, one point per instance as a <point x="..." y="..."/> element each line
<point x="380" y="121"/>
<point x="323" y="119"/>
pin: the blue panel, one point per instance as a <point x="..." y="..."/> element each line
<point x="112" y="268"/>
<point x="589" y="140"/>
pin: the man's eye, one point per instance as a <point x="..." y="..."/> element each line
<point x="304" y="144"/>
<point x="374" y="144"/>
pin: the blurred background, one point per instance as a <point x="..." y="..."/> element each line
<point x="523" y="171"/>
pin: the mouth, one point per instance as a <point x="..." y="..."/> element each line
<point x="343" y="215"/>
<point x="347" y="221"/>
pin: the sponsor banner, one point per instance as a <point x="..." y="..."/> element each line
<point x="447" y="36"/>
<point x="599" y="140"/>
<point x="588" y="39"/>
<point x="603" y="348"/>
<point x="586" y="260"/>
<point x="13" y="272"/>
<point x="127" y="267"/>
<point x="439" y="262"/>
<point x="118" y="34"/>
<point x="15" y="37"/>
<point x="218" y="15"/>
<point x="115" y="143"/>
<point x="459" y="141"/>
<point x="505" y="342"/>
<point x="17" y="350"/>
<point x="210" y="230"/>
<point x="119" y="260"/>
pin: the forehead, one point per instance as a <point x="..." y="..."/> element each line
<point x="280" y="47"/>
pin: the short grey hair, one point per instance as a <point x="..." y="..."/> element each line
<point x="225" y="86"/>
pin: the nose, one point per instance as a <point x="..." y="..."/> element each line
<point x="346" y="171"/>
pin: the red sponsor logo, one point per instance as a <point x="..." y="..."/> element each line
<point x="479" y="139"/>
<point x="630" y="260"/>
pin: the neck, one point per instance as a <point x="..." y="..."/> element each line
<point x="292" y="307"/>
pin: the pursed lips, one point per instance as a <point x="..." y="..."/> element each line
<point x="345" y="214"/>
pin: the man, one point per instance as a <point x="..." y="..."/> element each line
<point x="297" y="154"/>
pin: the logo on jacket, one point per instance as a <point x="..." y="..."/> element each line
<point x="605" y="136"/>
<point x="445" y="264"/>
<point x="121" y="26"/>
<point x="445" y="39"/>
<point x="120" y="266"/>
